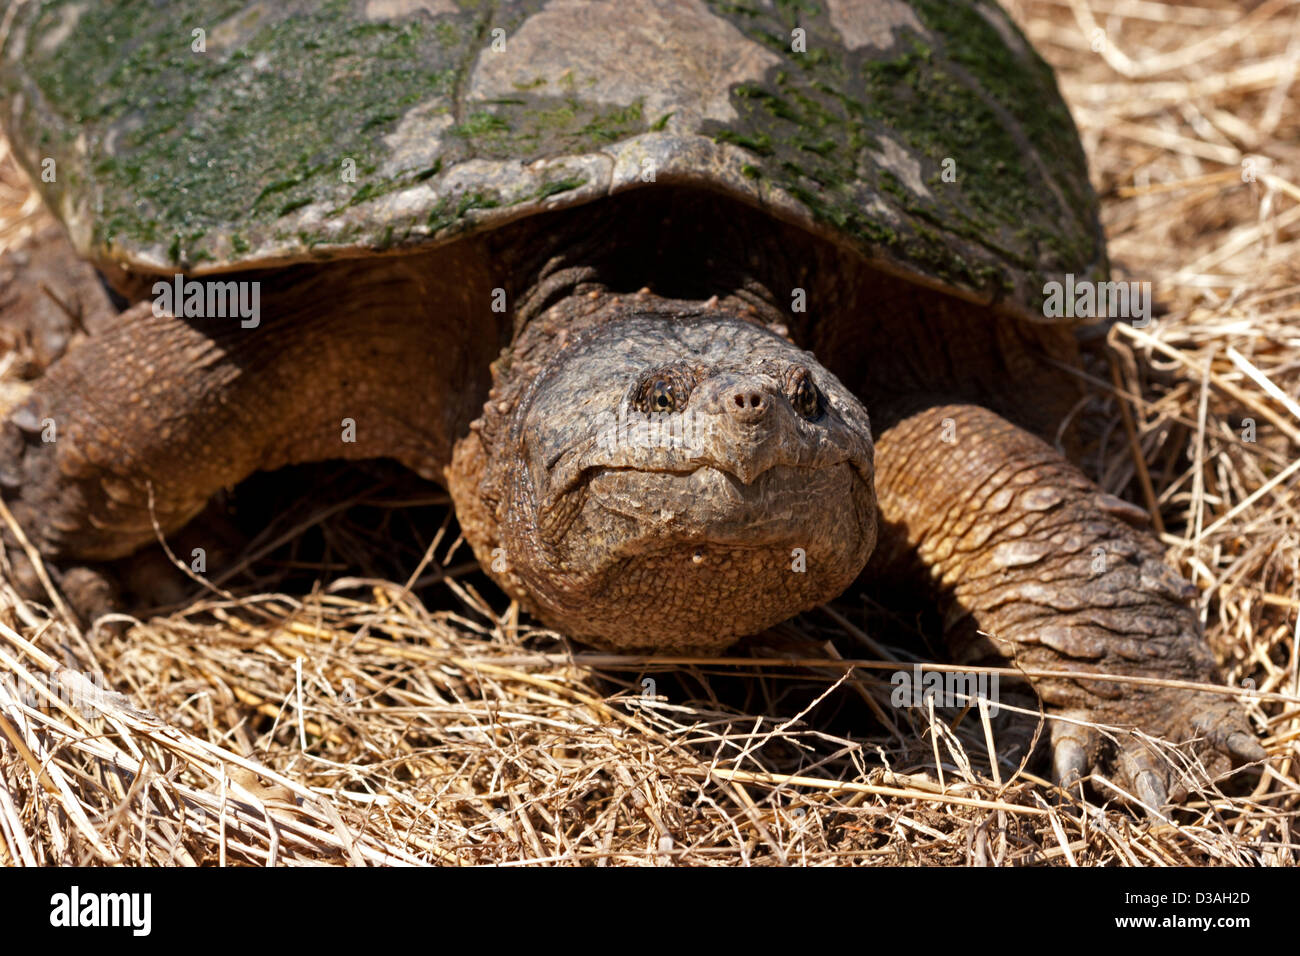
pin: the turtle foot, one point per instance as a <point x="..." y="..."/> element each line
<point x="1186" y="741"/>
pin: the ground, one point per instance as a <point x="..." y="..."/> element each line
<point x="405" y="712"/>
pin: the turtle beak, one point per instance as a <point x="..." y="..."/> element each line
<point x="747" y="425"/>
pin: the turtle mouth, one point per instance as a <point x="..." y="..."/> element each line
<point x="686" y="508"/>
<point x="671" y="558"/>
<point x="740" y="482"/>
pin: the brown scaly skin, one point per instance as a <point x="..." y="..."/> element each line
<point x="623" y="544"/>
<point x="658" y="541"/>
<point x="191" y="407"/>
<point x="1035" y="564"/>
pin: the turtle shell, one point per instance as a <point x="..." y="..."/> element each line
<point x="206" y="137"/>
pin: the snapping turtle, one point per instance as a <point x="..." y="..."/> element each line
<point x="626" y="279"/>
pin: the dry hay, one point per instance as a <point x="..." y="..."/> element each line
<point x="398" y="716"/>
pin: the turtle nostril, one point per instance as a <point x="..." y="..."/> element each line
<point x="748" y="405"/>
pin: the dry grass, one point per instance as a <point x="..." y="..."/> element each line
<point x="368" y="721"/>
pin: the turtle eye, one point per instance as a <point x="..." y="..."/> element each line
<point x="662" y="392"/>
<point x="662" y="397"/>
<point x="804" y="395"/>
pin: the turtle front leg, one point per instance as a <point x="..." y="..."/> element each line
<point x="153" y="414"/>
<point x="1036" y="564"/>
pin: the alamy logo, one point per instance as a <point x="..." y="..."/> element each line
<point x="74" y="908"/>
<point x="1086" y="299"/>
<point x="209" y="300"/>
<point x="946" y="688"/>
<point x="633" y="429"/>
<point x="85" y="693"/>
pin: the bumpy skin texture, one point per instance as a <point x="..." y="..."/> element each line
<point x="184" y="408"/>
<point x="1036" y="565"/>
<point x="650" y="483"/>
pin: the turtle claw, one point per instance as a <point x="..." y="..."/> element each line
<point x="1072" y="747"/>
<point x="1069" y="763"/>
<point x="1142" y="770"/>
<point x="1244" y="747"/>
<point x="90" y="592"/>
<point x="1151" y="790"/>
<point x="1227" y="731"/>
<point x="26" y="419"/>
<point x="1215" y="729"/>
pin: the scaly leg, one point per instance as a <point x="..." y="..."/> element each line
<point x="160" y="412"/>
<point x="1035" y="563"/>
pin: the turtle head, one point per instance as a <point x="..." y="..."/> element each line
<point x="674" y="482"/>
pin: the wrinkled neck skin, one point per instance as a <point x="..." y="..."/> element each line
<point x="656" y="474"/>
